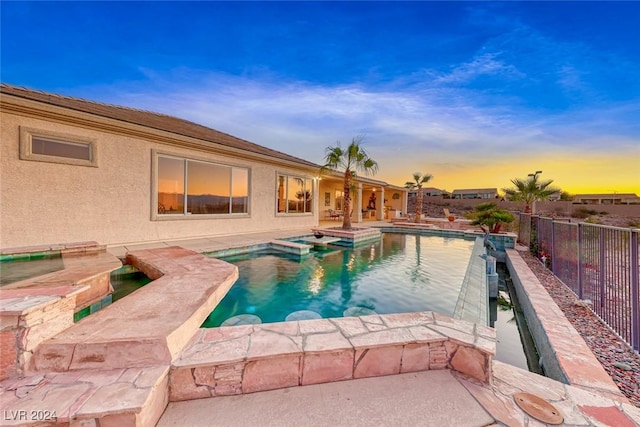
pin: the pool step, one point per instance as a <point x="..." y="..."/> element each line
<point x="323" y="241"/>
<point x="114" y="397"/>
<point x="290" y="247"/>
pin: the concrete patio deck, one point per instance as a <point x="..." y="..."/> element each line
<point x="429" y="398"/>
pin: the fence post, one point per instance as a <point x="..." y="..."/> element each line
<point x="635" y="292"/>
<point x="553" y="246"/>
<point x="580" y="263"/>
<point x="602" y="243"/>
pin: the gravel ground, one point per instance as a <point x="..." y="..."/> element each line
<point x="616" y="357"/>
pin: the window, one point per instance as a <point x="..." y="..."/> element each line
<point x="170" y="185"/>
<point x="193" y="187"/>
<point x="55" y="147"/>
<point x="339" y="197"/>
<point x="294" y="194"/>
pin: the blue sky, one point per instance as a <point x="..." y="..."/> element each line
<point x="474" y="93"/>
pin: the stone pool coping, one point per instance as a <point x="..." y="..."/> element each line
<point x="152" y="325"/>
<point x="564" y="354"/>
<point x="245" y="359"/>
<point x="38" y="308"/>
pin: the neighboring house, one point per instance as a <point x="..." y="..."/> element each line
<point x="434" y="192"/>
<point x="554" y="197"/>
<point x="430" y="192"/>
<point x="482" y="193"/>
<point x="607" y="199"/>
<point x="76" y="170"/>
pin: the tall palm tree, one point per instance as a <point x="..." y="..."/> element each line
<point x="530" y="190"/>
<point x="351" y="159"/>
<point x="416" y="184"/>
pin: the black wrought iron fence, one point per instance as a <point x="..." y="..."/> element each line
<point x="598" y="263"/>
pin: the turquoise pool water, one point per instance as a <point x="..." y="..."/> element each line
<point x="400" y="273"/>
<point x="123" y="284"/>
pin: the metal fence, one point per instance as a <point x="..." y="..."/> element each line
<point x="598" y="263"/>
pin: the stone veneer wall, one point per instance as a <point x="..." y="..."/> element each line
<point x="36" y="309"/>
<point x="251" y="358"/>
<point x="25" y="324"/>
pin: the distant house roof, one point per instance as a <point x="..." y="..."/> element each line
<point x="431" y="190"/>
<point x="476" y="191"/>
<point x="607" y="196"/>
<point x="434" y="190"/>
<point x="149" y="119"/>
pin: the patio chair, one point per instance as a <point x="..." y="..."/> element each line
<point x="333" y="214"/>
<point x="448" y="215"/>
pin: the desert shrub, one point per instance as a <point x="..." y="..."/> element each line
<point x="582" y="213"/>
<point x="634" y="223"/>
<point x="592" y="220"/>
<point x="604" y="213"/>
<point x="559" y="211"/>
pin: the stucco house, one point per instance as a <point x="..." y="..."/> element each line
<point x="430" y="192"/>
<point x="479" y="193"/>
<point x="77" y="170"/>
<point x="607" y="199"/>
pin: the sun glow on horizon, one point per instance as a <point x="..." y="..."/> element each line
<point x="589" y="174"/>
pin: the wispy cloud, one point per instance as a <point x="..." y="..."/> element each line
<point x="486" y="64"/>
<point x="437" y="124"/>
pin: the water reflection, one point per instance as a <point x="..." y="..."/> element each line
<point x="400" y="273"/>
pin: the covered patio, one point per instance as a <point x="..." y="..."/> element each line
<point x="371" y="200"/>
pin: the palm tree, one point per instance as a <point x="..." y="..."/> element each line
<point x="490" y="216"/>
<point x="529" y="190"/>
<point x="350" y="159"/>
<point x="416" y="184"/>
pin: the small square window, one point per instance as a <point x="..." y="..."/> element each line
<point x="53" y="147"/>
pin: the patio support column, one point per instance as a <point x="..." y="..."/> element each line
<point x="380" y="210"/>
<point x="405" y="203"/>
<point x="359" y="204"/>
<point x="316" y="199"/>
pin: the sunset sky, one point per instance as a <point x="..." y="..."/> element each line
<point x="474" y="93"/>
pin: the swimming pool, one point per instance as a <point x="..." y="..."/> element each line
<point x="400" y="273"/>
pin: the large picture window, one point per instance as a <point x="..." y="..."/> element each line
<point x="192" y="187"/>
<point x="294" y="194"/>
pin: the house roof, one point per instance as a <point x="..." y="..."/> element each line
<point x="149" y="119"/>
<point x="434" y="190"/>
<point x="431" y="190"/>
<point x="476" y="191"/>
<point x="611" y="195"/>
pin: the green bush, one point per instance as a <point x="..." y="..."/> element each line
<point x="489" y="217"/>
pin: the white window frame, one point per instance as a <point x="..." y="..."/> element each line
<point x="26" y="147"/>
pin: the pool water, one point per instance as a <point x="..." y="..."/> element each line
<point x="514" y="344"/>
<point x="28" y="267"/>
<point x="123" y="284"/>
<point x="400" y="273"/>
